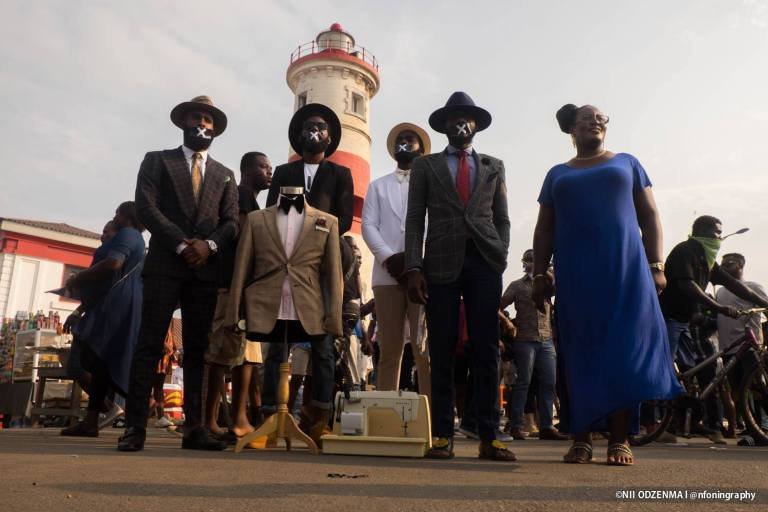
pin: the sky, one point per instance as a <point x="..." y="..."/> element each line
<point x="88" y="87"/>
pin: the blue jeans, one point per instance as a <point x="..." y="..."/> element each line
<point x="529" y="355"/>
<point x="323" y="368"/>
<point x="681" y="343"/>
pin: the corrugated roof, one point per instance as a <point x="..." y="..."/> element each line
<point x="59" y="227"/>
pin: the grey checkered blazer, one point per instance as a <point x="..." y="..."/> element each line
<point x="432" y="192"/>
<point x="166" y="206"/>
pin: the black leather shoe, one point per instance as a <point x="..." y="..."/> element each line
<point x="132" y="439"/>
<point x="199" y="438"/>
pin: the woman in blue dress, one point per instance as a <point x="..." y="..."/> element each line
<point x="112" y="293"/>
<point x="599" y="219"/>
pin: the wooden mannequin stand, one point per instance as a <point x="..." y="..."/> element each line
<point x="282" y="422"/>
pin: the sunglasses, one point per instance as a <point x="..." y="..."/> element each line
<point x="320" y="126"/>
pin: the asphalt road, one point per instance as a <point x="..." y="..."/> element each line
<point x="43" y="471"/>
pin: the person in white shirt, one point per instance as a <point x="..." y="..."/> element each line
<point x="383" y="223"/>
<point x="729" y="329"/>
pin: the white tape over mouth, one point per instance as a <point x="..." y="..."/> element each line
<point x="201" y="133"/>
<point x="314" y="136"/>
<point x="462" y="129"/>
<point x="403" y="148"/>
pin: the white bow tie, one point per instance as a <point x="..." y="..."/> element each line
<point x="402" y="175"/>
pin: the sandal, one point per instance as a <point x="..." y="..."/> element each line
<point x="616" y="450"/>
<point x="579" y="453"/>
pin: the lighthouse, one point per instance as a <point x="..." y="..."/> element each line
<point x="334" y="71"/>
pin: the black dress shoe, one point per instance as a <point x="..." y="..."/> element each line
<point x="199" y="438"/>
<point x="132" y="439"/>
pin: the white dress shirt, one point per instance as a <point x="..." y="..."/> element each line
<point x="384" y="214"/>
<point x="289" y="225"/>
<point x="309" y="175"/>
<point x="188" y="154"/>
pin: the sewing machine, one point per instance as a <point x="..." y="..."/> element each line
<point x="386" y="423"/>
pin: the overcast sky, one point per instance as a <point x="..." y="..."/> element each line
<point x="88" y="87"/>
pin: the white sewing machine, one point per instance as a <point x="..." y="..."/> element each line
<point x="387" y="423"/>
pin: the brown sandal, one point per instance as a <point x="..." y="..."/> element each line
<point x="617" y="449"/>
<point x="579" y="453"/>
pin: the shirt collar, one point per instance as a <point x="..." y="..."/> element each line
<point x="188" y="153"/>
<point x="402" y="174"/>
<point x="452" y="150"/>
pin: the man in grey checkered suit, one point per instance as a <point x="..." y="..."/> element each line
<point x="465" y="252"/>
<point x="188" y="202"/>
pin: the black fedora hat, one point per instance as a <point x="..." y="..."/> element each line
<point x="459" y="102"/>
<point x="204" y="103"/>
<point x="304" y="113"/>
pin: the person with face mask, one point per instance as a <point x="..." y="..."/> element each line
<point x="465" y="195"/>
<point x="188" y="202"/>
<point x="689" y="268"/>
<point x="384" y="214"/>
<point x="314" y="134"/>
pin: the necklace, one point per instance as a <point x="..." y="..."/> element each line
<point x="601" y="153"/>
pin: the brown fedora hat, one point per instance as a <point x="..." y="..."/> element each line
<point x="426" y="144"/>
<point x="204" y="103"/>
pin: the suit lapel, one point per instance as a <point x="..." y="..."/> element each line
<point x="180" y="175"/>
<point x="394" y="196"/>
<point x="319" y="180"/>
<point x="310" y="214"/>
<point x="213" y="182"/>
<point x="480" y="176"/>
<point x="270" y="219"/>
<point x="443" y="174"/>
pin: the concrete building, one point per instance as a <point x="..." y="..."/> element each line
<point x="334" y="71"/>
<point x="39" y="256"/>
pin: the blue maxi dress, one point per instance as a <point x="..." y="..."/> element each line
<point x="110" y="326"/>
<point x="611" y="333"/>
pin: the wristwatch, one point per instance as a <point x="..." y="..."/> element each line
<point x="657" y="266"/>
<point x="212" y="246"/>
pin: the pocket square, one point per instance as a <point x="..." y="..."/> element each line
<point x="321" y="228"/>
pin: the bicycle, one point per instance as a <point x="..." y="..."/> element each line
<point x="752" y="395"/>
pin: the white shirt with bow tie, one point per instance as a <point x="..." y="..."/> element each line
<point x="384" y="210"/>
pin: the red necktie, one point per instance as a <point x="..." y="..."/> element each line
<point x="462" y="177"/>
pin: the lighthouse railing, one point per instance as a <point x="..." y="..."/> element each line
<point x="335" y="47"/>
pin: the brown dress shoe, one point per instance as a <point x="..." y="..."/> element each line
<point x="552" y="434"/>
<point x="518" y="434"/>
<point x="496" y="450"/>
<point x="442" y="448"/>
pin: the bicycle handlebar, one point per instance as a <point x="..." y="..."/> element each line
<point x="752" y="311"/>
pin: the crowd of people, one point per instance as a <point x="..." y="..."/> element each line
<point x="438" y="229"/>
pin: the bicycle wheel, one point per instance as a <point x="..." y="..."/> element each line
<point x="753" y="402"/>
<point x="666" y="410"/>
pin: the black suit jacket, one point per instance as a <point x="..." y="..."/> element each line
<point x="246" y="199"/>
<point x="332" y="189"/>
<point x="166" y="206"/>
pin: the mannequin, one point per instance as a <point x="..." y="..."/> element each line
<point x="287" y="287"/>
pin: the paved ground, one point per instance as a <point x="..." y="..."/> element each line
<point x="43" y="471"/>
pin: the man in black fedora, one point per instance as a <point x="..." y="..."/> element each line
<point x="188" y="202"/>
<point x="465" y="195"/>
<point x="314" y="133"/>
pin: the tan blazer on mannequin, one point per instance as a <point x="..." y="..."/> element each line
<point x="314" y="270"/>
